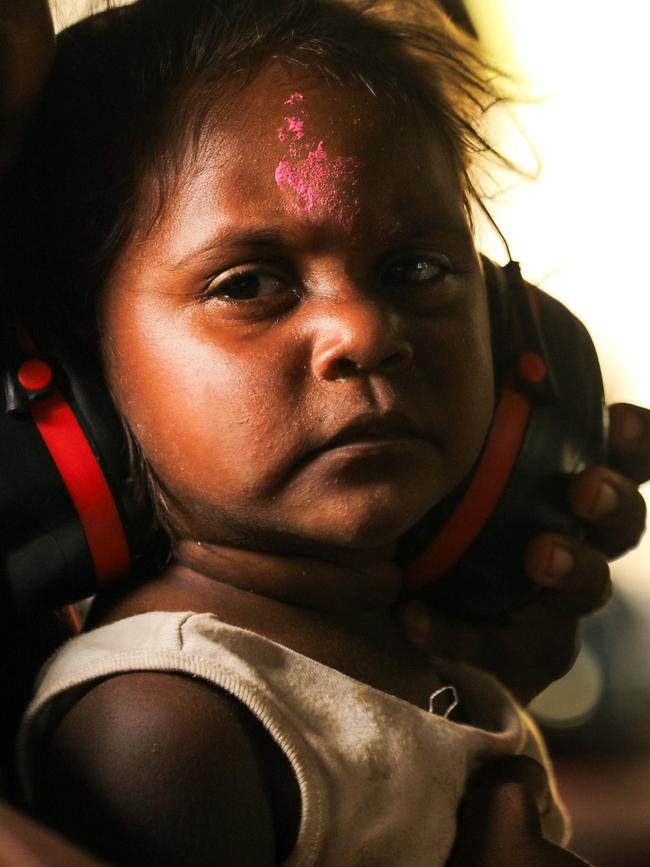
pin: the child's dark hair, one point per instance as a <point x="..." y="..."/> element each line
<point x="135" y="88"/>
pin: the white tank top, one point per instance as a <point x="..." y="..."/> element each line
<point x="380" y="779"/>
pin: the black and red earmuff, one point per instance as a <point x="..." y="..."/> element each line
<point x="69" y="521"/>
<point x="466" y="555"/>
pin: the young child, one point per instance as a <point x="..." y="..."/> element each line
<point x="257" y="215"/>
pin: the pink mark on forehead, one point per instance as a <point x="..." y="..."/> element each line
<point x="296" y="126"/>
<point x="321" y="181"/>
<point x="292" y="126"/>
<point x="316" y="179"/>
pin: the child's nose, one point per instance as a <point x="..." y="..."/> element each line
<point x="360" y="336"/>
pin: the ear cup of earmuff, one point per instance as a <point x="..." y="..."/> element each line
<point x="71" y="519"/>
<point x="466" y="556"/>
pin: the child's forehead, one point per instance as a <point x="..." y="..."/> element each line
<point x="294" y="117"/>
<point x="294" y="102"/>
<point x="291" y="144"/>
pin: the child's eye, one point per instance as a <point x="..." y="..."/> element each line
<point x="247" y="283"/>
<point x="415" y="272"/>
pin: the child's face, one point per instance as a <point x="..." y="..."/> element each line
<point x="314" y="270"/>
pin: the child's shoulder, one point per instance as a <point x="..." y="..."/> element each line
<point x="141" y="753"/>
<point x="131" y="598"/>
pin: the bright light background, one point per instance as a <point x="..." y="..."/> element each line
<point x="581" y="230"/>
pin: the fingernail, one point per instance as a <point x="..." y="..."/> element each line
<point x="605" y="501"/>
<point x="630" y="427"/>
<point x="560" y="563"/>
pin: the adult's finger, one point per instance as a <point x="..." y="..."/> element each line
<point x="629" y="441"/>
<point x="612" y="505"/>
<point x="436" y="633"/>
<point x="575" y="575"/>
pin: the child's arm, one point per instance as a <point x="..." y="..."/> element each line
<point x="26" y="51"/>
<point x="150" y="768"/>
<point x="537" y="643"/>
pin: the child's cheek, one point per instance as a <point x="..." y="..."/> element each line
<point x="215" y="421"/>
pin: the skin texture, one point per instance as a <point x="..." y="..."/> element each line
<point x="261" y="385"/>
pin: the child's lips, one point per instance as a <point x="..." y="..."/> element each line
<point x="375" y="428"/>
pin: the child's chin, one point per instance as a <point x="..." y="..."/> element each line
<point x="376" y="528"/>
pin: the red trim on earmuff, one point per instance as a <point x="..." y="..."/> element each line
<point x="480" y="500"/>
<point x="85" y="482"/>
<point x="79" y="469"/>
<point x="495" y="467"/>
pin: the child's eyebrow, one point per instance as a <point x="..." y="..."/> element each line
<point x="431" y="230"/>
<point x="264" y="236"/>
<point x="442" y="231"/>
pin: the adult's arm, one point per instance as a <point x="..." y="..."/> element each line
<point x="22" y="841"/>
<point x="26" y="52"/>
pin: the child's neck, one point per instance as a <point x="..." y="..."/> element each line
<point x="338" y="613"/>
<point x="354" y="584"/>
<point x="289" y="598"/>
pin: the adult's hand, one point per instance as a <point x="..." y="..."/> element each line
<point x="537" y="643"/>
<point x="499" y="823"/>
<point x="26" y="52"/>
<point x="22" y="841"/>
